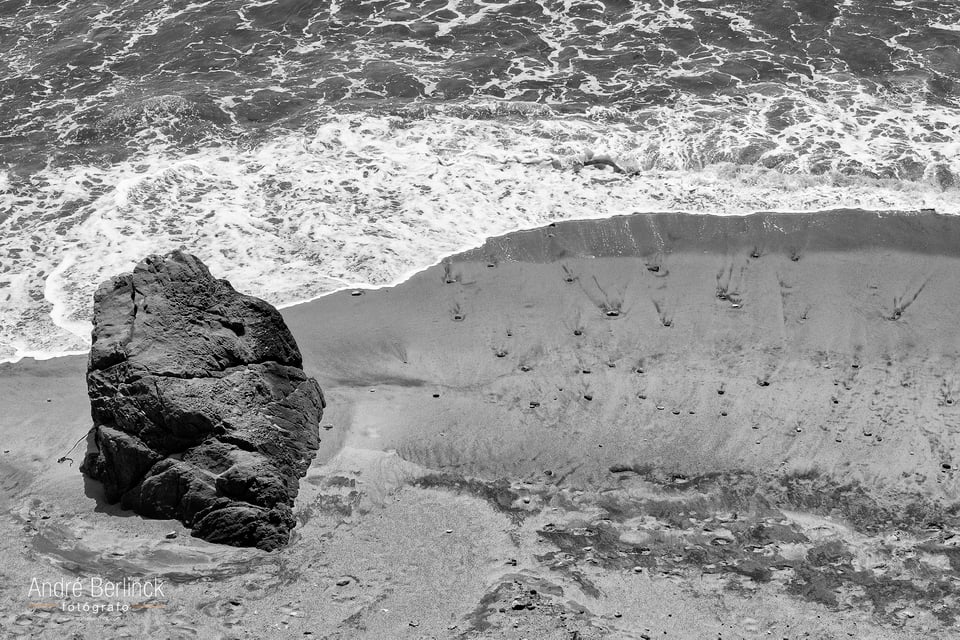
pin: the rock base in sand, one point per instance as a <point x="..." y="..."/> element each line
<point x="201" y="407"/>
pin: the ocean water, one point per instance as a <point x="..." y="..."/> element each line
<point x="299" y="147"/>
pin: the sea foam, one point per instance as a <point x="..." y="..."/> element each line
<point x="366" y="199"/>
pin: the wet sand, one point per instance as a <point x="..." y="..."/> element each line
<point x="545" y="435"/>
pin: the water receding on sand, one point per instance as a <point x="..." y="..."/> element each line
<point x="298" y="151"/>
<point x="362" y="200"/>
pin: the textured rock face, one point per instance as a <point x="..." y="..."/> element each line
<point x="201" y="409"/>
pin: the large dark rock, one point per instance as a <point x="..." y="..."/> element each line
<point x="201" y="409"/>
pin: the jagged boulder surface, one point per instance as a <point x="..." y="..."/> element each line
<point x="201" y="409"/>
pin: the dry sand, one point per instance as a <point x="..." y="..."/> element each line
<point x="661" y="426"/>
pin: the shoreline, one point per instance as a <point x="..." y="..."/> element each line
<point x="533" y="227"/>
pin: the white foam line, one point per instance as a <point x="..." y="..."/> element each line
<point x="31" y="354"/>
<point x="59" y="312"/>
<point x="362" y="286"/>
<point x="43" y="356"/>
<point x="367" y="201"/>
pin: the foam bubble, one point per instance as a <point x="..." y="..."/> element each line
<point x="364" y="200"/>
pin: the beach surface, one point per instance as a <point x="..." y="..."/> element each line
<point x="649" y="426"/>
